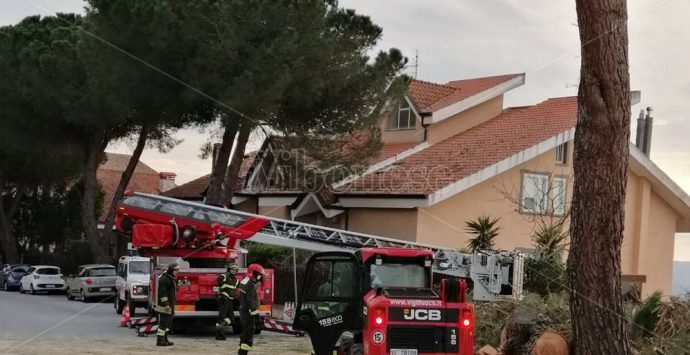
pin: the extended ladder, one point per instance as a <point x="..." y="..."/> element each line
<point x="493" y="273"/>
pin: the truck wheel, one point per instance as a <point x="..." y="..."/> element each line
<point x="132" y="307"/>
<point x="119" y="305"/>
<point x="357" y="349"/>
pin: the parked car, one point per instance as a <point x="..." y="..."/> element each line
<point x="10" y="275"/>
<point x="133" y="276"/>
<point x="42" y="278"/>
<point x="95" y="280"/>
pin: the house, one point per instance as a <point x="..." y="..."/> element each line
<point x="451" y="153"/>
<point x="144" y="179"/>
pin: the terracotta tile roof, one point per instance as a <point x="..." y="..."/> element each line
<point x="457" y="157"/>
<point x="144" y="179"/>
<point x="118" y="162"/>
<point x="195" y="189"/>
<point x="429" y="97"/>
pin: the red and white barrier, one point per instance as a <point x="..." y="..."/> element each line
<point x="147" y="329"/>
<point x="134" y="323"/>
<point x="280" y="327"/>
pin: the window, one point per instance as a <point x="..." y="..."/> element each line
<point x="560" y="185"/>
<point x="102" y="271"/>
<point x="535" y="189"/>
<point x="403" y="117"/>
<point x="48" y="271"/>
<point x="138" y="267"/>
<point x="398" y="275"/>
<point x="562" y="153"/>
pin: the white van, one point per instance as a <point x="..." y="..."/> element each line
<point x="133" y="277"/>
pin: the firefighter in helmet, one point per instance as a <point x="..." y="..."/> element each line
<point x="227" y="285"/>
<point x="249" y="306"/>
<point x="167" y="288"/>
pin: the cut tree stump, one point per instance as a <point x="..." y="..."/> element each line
<point x="527" y="332"/>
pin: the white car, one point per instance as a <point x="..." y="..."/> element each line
<point x="42" y="278"/>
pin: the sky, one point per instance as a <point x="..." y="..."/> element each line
<point x="471" y="38"/>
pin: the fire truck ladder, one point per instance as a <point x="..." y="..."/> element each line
<point x="494" y="273"/>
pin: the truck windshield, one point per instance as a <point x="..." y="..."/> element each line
<point x="398" y="275"/>
<point x="138" y="267"/>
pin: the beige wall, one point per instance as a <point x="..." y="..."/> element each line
<point x="464" y="120"/>
<point x="275" y="211"/>
<point x="444" y="222"/>
<point x="415" y="135"/>
<point x="394" y="223"/>
<point x="656" y="256"/>
<point x="248" y="206"/>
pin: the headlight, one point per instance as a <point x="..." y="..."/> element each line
<point x="137" y="290"/>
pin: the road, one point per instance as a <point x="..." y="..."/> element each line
<point x="32" y="324"/>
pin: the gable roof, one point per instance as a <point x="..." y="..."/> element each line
<point x="429" y="97"/>
<point x="466" y="153"/>
<point x="144" y="179"/>
<point x="195" y="189"/>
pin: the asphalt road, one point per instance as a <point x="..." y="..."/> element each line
<point x="25" y="316"/>
<point x="50" y="324"/>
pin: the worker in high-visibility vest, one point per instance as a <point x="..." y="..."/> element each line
<point x="227" y="285"/>
<point x="249" y="306"/>
<point x="167" y="288"/>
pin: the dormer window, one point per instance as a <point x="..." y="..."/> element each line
<point x="403" y="117"/>
<point x="562" y="153"/>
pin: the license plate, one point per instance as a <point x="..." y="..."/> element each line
<point x="403" y="351"/>
<point x="50" y="286"/>
<point x="104" y="289"/>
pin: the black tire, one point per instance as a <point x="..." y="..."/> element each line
<point x="69" y="294"/>
<point x="119" y="305"/>
<point x="83" y="297"/>
<point x="132" y="307"/>
<point x="5" y="287"/>
<point x="357" y="349"/>
<point x="21" y="288"/>
<point x="31" y="288"/>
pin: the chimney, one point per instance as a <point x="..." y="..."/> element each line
<point x="639" y="138"/>
<point x="167" y="181"/>
<point x="643" y="139"/>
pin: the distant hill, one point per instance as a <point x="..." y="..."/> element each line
<point x="681" y="277"/>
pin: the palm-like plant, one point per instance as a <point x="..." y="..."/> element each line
<point x="483" y="231"/>
<point x="550" y="242"/>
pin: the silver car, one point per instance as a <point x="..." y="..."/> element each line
<point x="91" y="281"/>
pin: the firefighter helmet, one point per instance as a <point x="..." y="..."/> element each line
<point x="255" y="270"/>
<point x="233" y="267"/>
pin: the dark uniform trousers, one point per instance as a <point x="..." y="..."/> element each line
<point x="249" y="310"/>
<point x="227" y="284"/>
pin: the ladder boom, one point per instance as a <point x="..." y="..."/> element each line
<point x="493" y="273"/>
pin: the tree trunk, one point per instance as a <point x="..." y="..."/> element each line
<point x="236" y="163"/>
<point x="215" y="192"/>
<point x="108" y="233"/>
<point x="89" y="214"/>
<point x="7" y="238"/>
<point x="600" y="170"/>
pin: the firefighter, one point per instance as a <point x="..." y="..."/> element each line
<point x="249" y="306"/>
<point x="227" y="285"/>
<point x="167" y="288"/>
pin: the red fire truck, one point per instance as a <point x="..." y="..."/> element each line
<point x="384" y="298"/>
<point x="202" y="240"/>
<point x="362" y="294"/>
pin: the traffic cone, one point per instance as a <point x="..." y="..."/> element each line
<point x="125" y="316"/>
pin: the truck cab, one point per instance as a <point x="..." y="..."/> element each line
<point x="132" y="283"/>
<point x="385" y="298"/>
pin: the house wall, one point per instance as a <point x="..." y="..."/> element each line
<point x="389" y="136"/>
<point x="394" y="223"/>
<point x="275" y="211"/>
<point x="656" y="256"/>
<point x="248" y="206"/>
<point x="444" y="222"/>
<point x="464" y="120"/>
